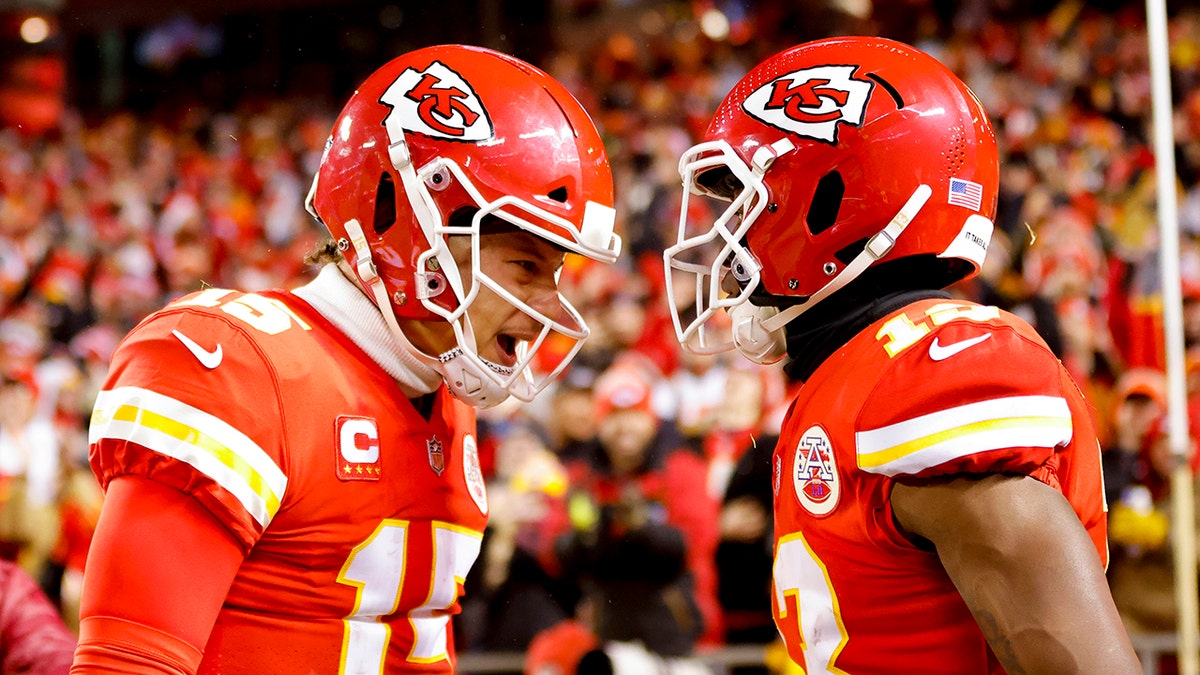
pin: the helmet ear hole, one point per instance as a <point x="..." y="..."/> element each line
<point x="558" y="194"/>
<point x="385" y="204"/>
<point x="826" y="202"/>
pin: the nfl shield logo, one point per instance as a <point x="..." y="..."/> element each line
<point x="437" y="457"/>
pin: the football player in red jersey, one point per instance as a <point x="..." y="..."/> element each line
<point x="937" y="486"/>
<point x="293" y="480"/>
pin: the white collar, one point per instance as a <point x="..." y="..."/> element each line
<point x="345" y="305"/>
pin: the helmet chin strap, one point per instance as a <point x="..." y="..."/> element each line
<point x="365" y="268"/>
<point x="762" y="332"/>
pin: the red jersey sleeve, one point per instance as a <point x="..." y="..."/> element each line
<point x="970" y="397"/>
<point x="191" y="403"/>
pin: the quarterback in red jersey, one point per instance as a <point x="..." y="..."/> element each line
<point x="292" y="478"/>
<point x="938" y="495"/>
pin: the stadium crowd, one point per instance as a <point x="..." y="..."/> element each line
<point x="638" y="485"/>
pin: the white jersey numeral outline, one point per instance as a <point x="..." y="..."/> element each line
<point x="377" y="568"/>
<point x="800" y="573"/>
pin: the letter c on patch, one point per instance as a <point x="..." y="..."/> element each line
<point x="358" y="440"/>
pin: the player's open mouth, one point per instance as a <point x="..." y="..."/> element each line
<point x="508" y="349"/>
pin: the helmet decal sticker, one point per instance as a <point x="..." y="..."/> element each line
<point x="437" y="102"/>
<point x="965" y="193"/>
<point x="812" y="102"/>
<point x="814" y="473"/>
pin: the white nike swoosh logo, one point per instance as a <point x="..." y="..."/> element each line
<point x="940" y="352"/>
<point x="206" y="358"/>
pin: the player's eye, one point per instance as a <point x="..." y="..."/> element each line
<point x="527" y="266"/>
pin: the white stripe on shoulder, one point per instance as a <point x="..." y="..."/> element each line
<point x="923" y="442"/>
<point x="210" y="445"/>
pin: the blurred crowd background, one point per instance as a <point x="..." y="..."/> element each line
<point x="152" y="149"/>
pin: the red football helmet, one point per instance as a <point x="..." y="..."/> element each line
<point x="436" y="143"/>
<point x="822" y="156"/>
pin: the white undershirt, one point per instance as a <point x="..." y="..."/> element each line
<point x="347" y="307"/>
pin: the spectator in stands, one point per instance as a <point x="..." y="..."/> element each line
<point x="697" y="389"/>
<point x="1190" y="288"/>
<point x="571" y="425"/>
<point x="1139" y="466"/>
<point x="510" y="594"/>
<point x="31" y="449"/>
<point x="739" y="419"/>
<point x="560" y="649"/>
<point x="79" y="512"/>
<point x="33" y="638"/>
<point x="641" y="527"/>
<point x="744" y="553"/>
<point x="738" y="450"/>
<point x="1139" y="403"/>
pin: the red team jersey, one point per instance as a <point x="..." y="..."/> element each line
<point x="359" y="518"/>
<point x="937" y="388"/>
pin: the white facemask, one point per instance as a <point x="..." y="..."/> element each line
<point x="470" y="384"/>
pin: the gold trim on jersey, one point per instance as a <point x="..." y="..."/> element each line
<point x="917" y="444"/>
<point x="210" y="445"/>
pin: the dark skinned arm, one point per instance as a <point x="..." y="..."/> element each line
<point x="1027" y="570"/>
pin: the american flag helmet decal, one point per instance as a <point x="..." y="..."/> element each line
<point x="965" y="193"/>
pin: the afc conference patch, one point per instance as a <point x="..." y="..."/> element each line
<point x="814" y="473"/>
